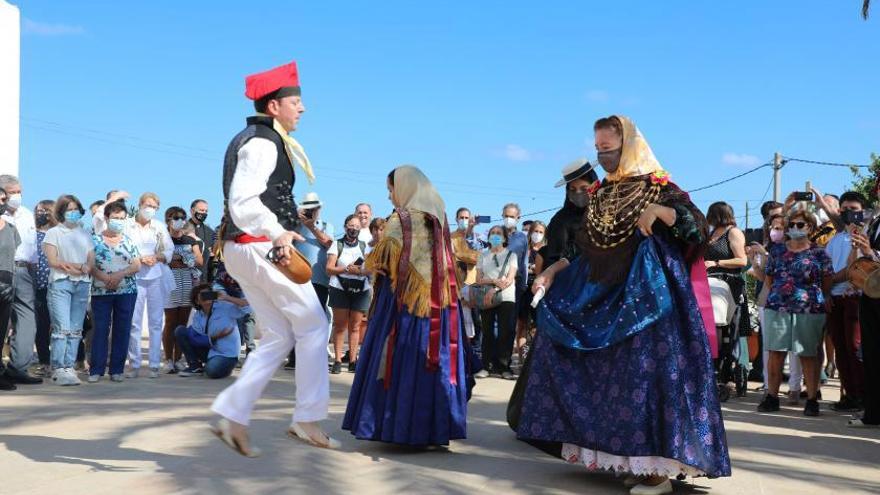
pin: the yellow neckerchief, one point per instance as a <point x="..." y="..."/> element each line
<point x="295" y="151"/>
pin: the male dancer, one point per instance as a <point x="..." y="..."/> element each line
<point x="258" y="178"/>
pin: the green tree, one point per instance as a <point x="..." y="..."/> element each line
<point x="865" y="183"/>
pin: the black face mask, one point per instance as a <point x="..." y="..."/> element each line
<point x="41" y="219"/>
<point x="3" y="208"/>
<point x="352" y="233"/>
<point x="610" y="160"/>
<point x="578" y="198"/>
<point x="201" y="217"/>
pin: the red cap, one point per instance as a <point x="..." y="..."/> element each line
<point x="284" y="78"/>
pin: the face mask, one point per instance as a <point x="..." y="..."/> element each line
<point x="463" y="224"/>
<point x="41" y="219"/>
<point x="796" y="234"/>
<point x="496" y="240"/>
<point x="3" y="209"/>
<point x="72" y="217"/>
<point x="178" y="224"/>
<point x="148" y="213"/>
<point x="201" y="217"/>
<point x="579" y="199"/>
<point x="352" y="233"/>
<point x="777" y="236"/>
<point x="537" y="237"/>
<point x="14" y="201"/>
<point x="509" y="222"/>
<point x="609" y="160"/>
<point x="116" y="225"/>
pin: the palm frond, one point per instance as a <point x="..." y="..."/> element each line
<point x="865" y="6"/>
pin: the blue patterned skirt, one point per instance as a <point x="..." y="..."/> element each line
<point x="419" y="407"/>
<point x="640" y="398"/>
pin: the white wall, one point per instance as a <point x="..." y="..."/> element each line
<point x="10" y="57"/>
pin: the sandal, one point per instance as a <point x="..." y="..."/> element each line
<point x="296" y="432"/>
<point x="221" y="431"/>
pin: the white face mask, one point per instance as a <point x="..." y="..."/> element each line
<point x="14" y="201"/>
<point x="178" y="224"/>
<point x="537" y="237"/>
<point x="509" y="222"/>
<point x="148" y="213"/>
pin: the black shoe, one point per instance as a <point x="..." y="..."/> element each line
<point x="346" y="357"/>
<point x="191" y="371"/>
<point x="818" y="394"/>
<point x="847" y="405"/>
<point x="352" y="367"/>
<point x="6" y="383"/>
<point x="336" y="368"/>
<point x="769" y="404"/>
<point x="22" y="378"/>
<point x="811" y="408"/>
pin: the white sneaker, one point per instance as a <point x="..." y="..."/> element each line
<point x="58" y="377"/>
<point x="133" y="373"/>
<point x="94" y="378"/>
<point x="116" y="378"/>
<point x="72" y="379"/>
<point x="154" y="372"/>
<point x="661" y="489"/>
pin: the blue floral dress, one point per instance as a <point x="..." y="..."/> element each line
<point x="112" y="259"/>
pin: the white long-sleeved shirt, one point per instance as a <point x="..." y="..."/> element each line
<point x="23" y="220"/>
<point x="145" y="237"/>
<point x="256" y="162"/>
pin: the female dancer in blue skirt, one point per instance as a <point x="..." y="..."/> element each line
<point x="410" y="385"/>
<point x="621" y="374"/>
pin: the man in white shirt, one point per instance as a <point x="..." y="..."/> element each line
<point x="24" y="320"/>
<point x="364" y="213"/>
<point x="258" y="179"/>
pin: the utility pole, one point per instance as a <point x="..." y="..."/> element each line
<point x="777" y="176"/>
<point x="747" y="215"/>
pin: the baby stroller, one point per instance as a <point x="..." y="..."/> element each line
<point x="727" y="366"/>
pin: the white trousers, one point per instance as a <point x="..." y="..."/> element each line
<point x="151" y="295"/>
<point x="288" y="314"/>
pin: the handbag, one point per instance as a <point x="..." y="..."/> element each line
<point x="477" y="293"/>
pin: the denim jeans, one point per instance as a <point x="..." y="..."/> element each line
<point x="68" y="301"/>
<point x="196" y="350"/>
<point x="117" y="309"/>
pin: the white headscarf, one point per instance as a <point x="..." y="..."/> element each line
<point x="413" y="191"/>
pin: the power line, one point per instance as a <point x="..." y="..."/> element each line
<point x="827" y="164"/>
<point x="759" y="167"/>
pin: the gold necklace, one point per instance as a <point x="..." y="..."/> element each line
<point x="614" y="211"/>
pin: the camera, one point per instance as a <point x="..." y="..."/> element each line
<point x="310" y="213"/>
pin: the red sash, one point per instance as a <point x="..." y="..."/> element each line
<point x="247" y="239"/>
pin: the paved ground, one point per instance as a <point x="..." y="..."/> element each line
<point x="149" y="436"/>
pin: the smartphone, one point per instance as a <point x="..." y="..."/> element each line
<point x="850" y="217"/>
<point x="208" y="295"/>
<point x="359" y="262"/>
<point x="483" y="219"/>
<point x="803" y="196"/>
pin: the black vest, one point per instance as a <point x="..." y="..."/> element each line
<point x="278" y="196"/>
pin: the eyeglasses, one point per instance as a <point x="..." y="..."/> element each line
<point x="178" y="218"/>
<point x="798" y="225"/>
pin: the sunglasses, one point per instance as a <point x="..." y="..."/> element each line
<point x="178" y="218"/>
<point x="798" y="225"/>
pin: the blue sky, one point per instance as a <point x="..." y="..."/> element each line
<point x="489" y="98"/>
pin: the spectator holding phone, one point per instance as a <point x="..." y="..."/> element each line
<point x="466" y="248"/>
<point x="350" y="292"/>
<point x="212" y="342"/>
<point x="843" y="320"/>
<point x="317" y="238"/>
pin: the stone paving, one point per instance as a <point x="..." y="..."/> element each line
<point x="151" y="436"/>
